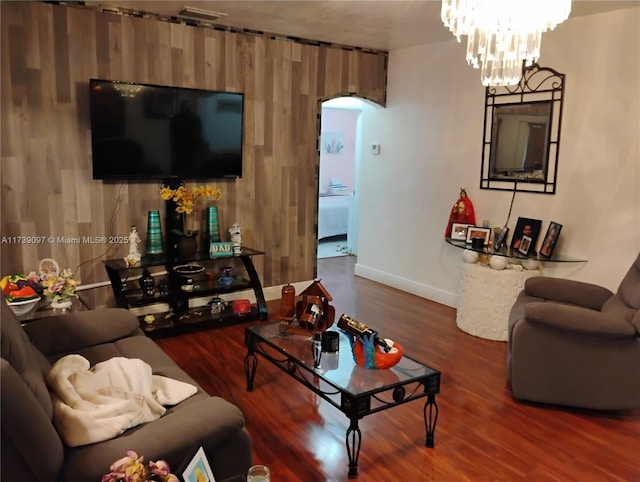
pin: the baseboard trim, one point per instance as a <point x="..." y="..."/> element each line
<point x="410" y="286"/>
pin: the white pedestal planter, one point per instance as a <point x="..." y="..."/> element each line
<point x="485" y="299"/>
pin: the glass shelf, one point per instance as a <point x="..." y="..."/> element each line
<point x="515" y="254"/>
<point x="161" y="259"/>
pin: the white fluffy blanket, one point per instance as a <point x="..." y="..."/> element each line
<point x="99" y="403"/>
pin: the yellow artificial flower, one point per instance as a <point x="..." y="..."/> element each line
<point x="179" y="194"/>
<point x="186" y="206"/>
<point x="48" y="280"/>
<point x="166" y="193"/>
<point x="212" y="192"/>
<point x="187" y="199"/>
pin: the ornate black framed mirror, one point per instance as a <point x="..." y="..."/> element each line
<point x="522" y="133"/>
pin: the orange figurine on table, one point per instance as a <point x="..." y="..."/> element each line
<point x="461" y="212"/>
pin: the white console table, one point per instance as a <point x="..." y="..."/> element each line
<point x="486" y="297"/>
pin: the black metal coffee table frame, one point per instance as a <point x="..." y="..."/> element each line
<point x="296" y="360"/>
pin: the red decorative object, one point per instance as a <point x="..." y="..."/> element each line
<point x="364" y="354"/>
<point x="461" y="212"/>
<point x="241" y="307"/>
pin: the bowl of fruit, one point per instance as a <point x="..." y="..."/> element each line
<point x="21" y="293"/>
<point x="23" y="307"/>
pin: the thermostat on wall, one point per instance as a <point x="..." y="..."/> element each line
<point x="375" y="149"/>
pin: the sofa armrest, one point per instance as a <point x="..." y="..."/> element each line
<point x="567" y="291"/>
<point x="74" y="331"/>
<point x="579" y="320"/>
<point x="27" y="432"/>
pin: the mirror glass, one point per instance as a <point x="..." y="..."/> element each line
<point x="522" y="133"/>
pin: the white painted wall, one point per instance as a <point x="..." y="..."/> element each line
<point x="431" y="141"/>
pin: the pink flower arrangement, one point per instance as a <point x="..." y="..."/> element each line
<point x="58" y="286"/>
<point x="131" y="468"/>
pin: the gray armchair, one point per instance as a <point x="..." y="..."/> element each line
<point x="577" y="344"/>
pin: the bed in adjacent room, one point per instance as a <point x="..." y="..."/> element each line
<point x="333" y="214"/>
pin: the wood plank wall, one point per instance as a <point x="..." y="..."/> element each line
<point x="49" y="52"/>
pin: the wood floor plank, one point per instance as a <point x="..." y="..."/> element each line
<point x="482" y="433"/>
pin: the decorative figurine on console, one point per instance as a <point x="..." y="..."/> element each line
<point x="313" y="311"/>
<point x="369" y="350"/>
<point x="235" y="231"/>
<point x="462" y="212"/>
<point x="133" y="258"/>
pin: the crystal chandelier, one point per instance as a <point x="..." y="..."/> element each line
<point x="501" y="34"/>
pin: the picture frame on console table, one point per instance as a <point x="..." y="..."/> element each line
<point x="526" y="227"/>
<point x="198" y="469"/>
<point x="525" y="245"/>
<point x="475" y="232"/>
<point x="502" y="238"/>
<point x="459" y="231"/>
<point x="550" y="239"/>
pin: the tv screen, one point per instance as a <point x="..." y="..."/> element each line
<point x="141" y="131"/>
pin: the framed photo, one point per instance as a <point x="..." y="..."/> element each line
<point x="459" y="231"/>
<point x="198" y="470"/>
<point x="474" y="232"/>
<point x="526" y="227"/>
<point x="502" y="237"/>
<point x="525" y="244"/>
<point x="550" y="239"/>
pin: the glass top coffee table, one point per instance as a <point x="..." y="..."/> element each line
<point x="335" y="377"/>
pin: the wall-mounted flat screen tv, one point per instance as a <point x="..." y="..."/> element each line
<point x="141" y="131"/>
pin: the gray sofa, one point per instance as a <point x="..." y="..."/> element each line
<point x="577" y="344"/>
<point x="33" y="451"/>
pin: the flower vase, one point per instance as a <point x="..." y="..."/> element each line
<point x="213" y="230"/>
<point x="154" y="233"/>
<point x="187" y="247"/>
<point x="63" y="304"/>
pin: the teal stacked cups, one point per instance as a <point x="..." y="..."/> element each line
<point x="213" y="230"/>
<point x="154" y="234"/>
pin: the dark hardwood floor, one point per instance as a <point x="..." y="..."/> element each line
<point x="482" y="433"/>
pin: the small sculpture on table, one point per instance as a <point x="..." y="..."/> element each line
<point x="370" y="350"/>
<point x="235" y="231"/>
<point x="313" y="312"/>
<point x="462" y="212"/>
<point x="133" y="258"/>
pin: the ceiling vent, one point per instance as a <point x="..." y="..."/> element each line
<point x="200" y="14"/>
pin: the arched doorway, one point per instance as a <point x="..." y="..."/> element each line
<point x="340" y="152"/>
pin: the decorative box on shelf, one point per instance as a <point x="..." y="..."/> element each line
<point x="220" y="249"/>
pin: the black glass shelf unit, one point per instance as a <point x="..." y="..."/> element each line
<point x="180" y="287"/>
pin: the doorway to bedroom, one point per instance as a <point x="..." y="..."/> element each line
<point x="340" y="135"/>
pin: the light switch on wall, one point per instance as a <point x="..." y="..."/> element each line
<point x="375" y="149"/>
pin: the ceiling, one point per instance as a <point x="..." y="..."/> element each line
<point x="372" y="24"/>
